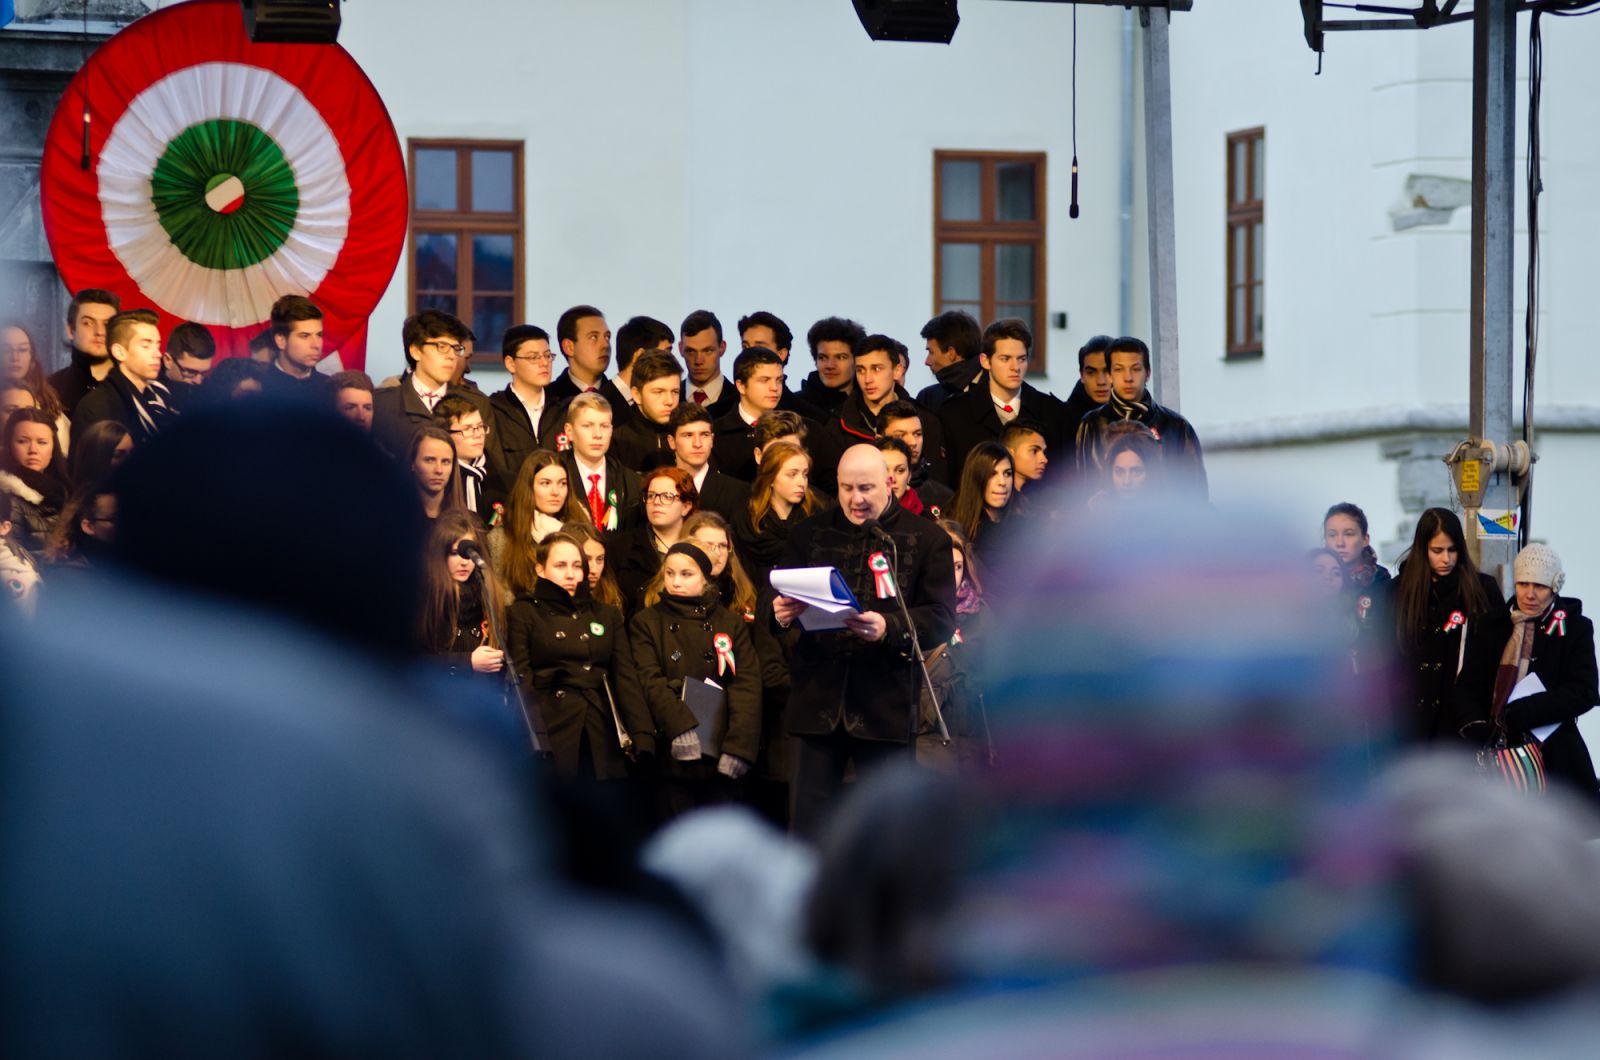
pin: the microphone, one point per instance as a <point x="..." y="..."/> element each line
<point x="875" y="528"/>
<point x="469" y="550"/>
<point x="1072" y="211"/>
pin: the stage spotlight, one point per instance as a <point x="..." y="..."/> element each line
<point x="929" y="21"/>
<point x="292" y="21"/>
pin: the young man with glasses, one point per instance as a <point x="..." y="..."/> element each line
<point x="524" y="416"/>
<point x="1000" y="398"/>
<point x="433" y="341"/>
<point x="190" y="353"/>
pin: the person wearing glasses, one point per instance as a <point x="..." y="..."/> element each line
<point x="523" y="417"/>
<point x="635" y="555"/>
<point x="434" y="341"/>
<point x="481" y="485"/>
<point x="190" y="353"/>
<point x="297" y="338"/>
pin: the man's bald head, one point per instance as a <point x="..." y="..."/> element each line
<point x="863" y="483"/>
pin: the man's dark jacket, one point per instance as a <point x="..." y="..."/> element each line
<point x="512" y="436"/>
<point x="74" y="382"/>
<point x="970" y="418"/>
<point x="853" y="424"/>
<point x="1182" y="463"/>
<point x="397" y="412"/>
<point x="839" y="679"/>
<point x="953" y="379"/>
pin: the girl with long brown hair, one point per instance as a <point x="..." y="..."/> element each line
<point x="539" y="503"/>
<point x="602" y="583"/>
<point x="780" y="497"/>
<point x="458" y="618"/>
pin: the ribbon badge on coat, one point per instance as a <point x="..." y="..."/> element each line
<point x="882" y="578"/>
<point x="563" y="443"/>
<point x="1557" y="626"/>
<point x="611" y="510"/>
<point x="1456" y="619"/>
<point x="1366" y="605"/>
<point x="724" y="645"/>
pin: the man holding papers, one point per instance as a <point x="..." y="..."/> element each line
<point x="854" y="678"/>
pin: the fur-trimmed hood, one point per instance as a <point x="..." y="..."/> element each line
<point x="13" y="485"/>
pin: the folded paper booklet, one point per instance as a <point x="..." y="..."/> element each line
<point x="829" y="600"/>
<point x="1528" y="686"/>
<point x="708" y="702"/>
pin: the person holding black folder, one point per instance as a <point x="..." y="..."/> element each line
<point x="699" y="679"/>
<point x="853" y="689"/>
<point x="571" y="653"/>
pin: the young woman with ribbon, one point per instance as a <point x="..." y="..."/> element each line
<point x="1441" y="604"/>
<point x="685" y="637"/>
<point x="1543" y="635"/>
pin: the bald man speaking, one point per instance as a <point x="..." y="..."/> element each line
<point x="853" y="689"/>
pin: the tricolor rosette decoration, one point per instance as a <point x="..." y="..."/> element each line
<point x="193" y="171"/>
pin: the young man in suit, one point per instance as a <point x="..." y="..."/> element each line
<point x="523" y="416"/>
<point x="758" y="377"/>
<point x="701" y="345"/>
<point x="434" y="341"/>
<point x="691" y="437"/>
<point x="640" y="335"/>
<point x="640" y="443"/>
<point x="1000" y="398"/>
<point x="608" y="492"/>
<point x="586" y="344"/>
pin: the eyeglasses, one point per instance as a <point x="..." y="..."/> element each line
<point x="189" y="375"/>
<point x="662" y="498"/>
<point x="454" y="348"/>
<point x="535" y="358"/>
<point x="477" y="430"/>
<point x="712" y="548"/>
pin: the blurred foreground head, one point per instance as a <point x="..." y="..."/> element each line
<point x="1183" y="759"/>
<point x="287" y="508"/>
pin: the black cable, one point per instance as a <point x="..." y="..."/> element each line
<point x="1072" y="209"/>
<point x="1531" y="321"/>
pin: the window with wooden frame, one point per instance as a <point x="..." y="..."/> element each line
<point x="466" y="235"/>
<point x="1247" y="157"/>
<point x="988" y="238"/>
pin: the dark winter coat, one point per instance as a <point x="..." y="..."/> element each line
<point x="839" y="679"/>
<point x="624" y="491"/>
<point x="725" y="495"/>
<point x="398" y="411"/>
<point x="641" y="445"/>
<point x="674" y="640"/>
<point x="512" y="437"/>
<point x="1432" y="657"/>
<point x="74" y="382"/>
<point x="35" y="506"/>
<point x="1078" y="405"/>
<point x="733" y="446"/>
<point x="953" y="379"/>
<point x="822" y="397"/>
<point x="1182" y="462"/>
<point x="116" y="399"/>
<point x="564" y="648"/>
<point x="1563" y="657"/>
<point x="760" y="548"/>
<point x="633" y="559"/>
<point x="854" y="424"/>
<point x="971" y="418"/>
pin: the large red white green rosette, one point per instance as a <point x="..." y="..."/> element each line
<point x="223" y="174"/>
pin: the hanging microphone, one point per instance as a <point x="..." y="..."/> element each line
<point x="1072" y="211"/>
<point x="469" y="550"/>
<point x="83" y="163"/>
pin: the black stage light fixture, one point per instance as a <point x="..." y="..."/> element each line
<point x="928" y="21"/>
<point x="292" y="21"/>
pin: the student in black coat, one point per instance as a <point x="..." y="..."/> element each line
<point x="1092" y="390"/>
<point x="685" y="633"/>
<point x="953" y="342"/>
<point x="999" y="398"/>
<point x="523" y="416"/>
<point x="608" y="491"/>
<point x="1445" y="611"/>
<point x="1548" y="636"/>
<point x="690" y="435"/>
<point x="758" y="377"/>
<point x="779" y="499"/>
<point x="640" y="443"/>
<point x="833" y="343"/>
<point x="861" y="417"/>
<point x="434" y="342"/>
<point x="634" y="555"/>
<point x="854" y="690"/>
<point x="455" y="625"/>
<point x="701" y="345"/>
<point x="1183" y="462"/>
<point x="570" y="653"/>
<point x="130" y="395"/>
<point x="90" y="363"/>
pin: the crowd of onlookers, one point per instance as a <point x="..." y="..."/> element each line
<point x="596" y="578"/>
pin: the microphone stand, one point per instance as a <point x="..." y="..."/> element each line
<point x="532" y="718"/>
<point x="916" y="650"/>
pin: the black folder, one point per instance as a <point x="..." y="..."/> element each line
<point x="708" y="702"/>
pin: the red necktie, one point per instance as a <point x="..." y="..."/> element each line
<point x="1005" y="409"/>
<point x="597" y="503"/>
<point x="699" y="397"/>
<point x="591" y="390"/>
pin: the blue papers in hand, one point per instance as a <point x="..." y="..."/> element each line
<point x="828" y="599"/>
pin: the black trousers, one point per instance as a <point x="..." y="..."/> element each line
<point x="819" y="763"/>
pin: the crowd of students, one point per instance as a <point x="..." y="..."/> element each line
<point x="603" y="543"/>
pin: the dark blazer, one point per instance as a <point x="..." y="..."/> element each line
<point x="312" y="390"/>
<point x="726" y="400"/>
<point x="74" y="382"/>
<point x="512" y="436"/>
<point x="725" y="495"/>
<point x="970" y="417"/>
<point x="564" y="647"/>
<point x="1563" y="657"/>
<point x="853" y="424"/>
<point x="821" y="397"/>
<point x="397" y="412"/>
<point x="641" y="445"/>
<point x="632" y="558"/>
<point x="952" y="379"/>
<point x="622" y="484"/>
<point x="675" y="639"/>
<point x="838" y="679"/>
<point x="793" y="402"/>
<point x="113" y="399"/>
<point x="733" y="446"/>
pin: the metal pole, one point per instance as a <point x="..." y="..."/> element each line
<point x="1494" y="76"/>
<point x="1159" y="205"/>
<point x="1125" y="202"/>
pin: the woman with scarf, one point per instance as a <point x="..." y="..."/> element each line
<point x="1344" y="532"/>
<point x="685" y="635"/>
<point x="1441" y="604"/>
<point x="1544" y="635"/>
<point x="31" y="472"/>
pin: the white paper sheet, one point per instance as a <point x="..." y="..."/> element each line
<point x="828" y="600"/>
<point x="1528" y="686"/>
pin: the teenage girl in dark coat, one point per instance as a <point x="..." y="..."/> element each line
<point x="568" y="649"/>
<point x="685" y="633"/>
<point x="780" y="497"/>
<point x="455" y="624"/>
<point x="1443" y="607"/>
